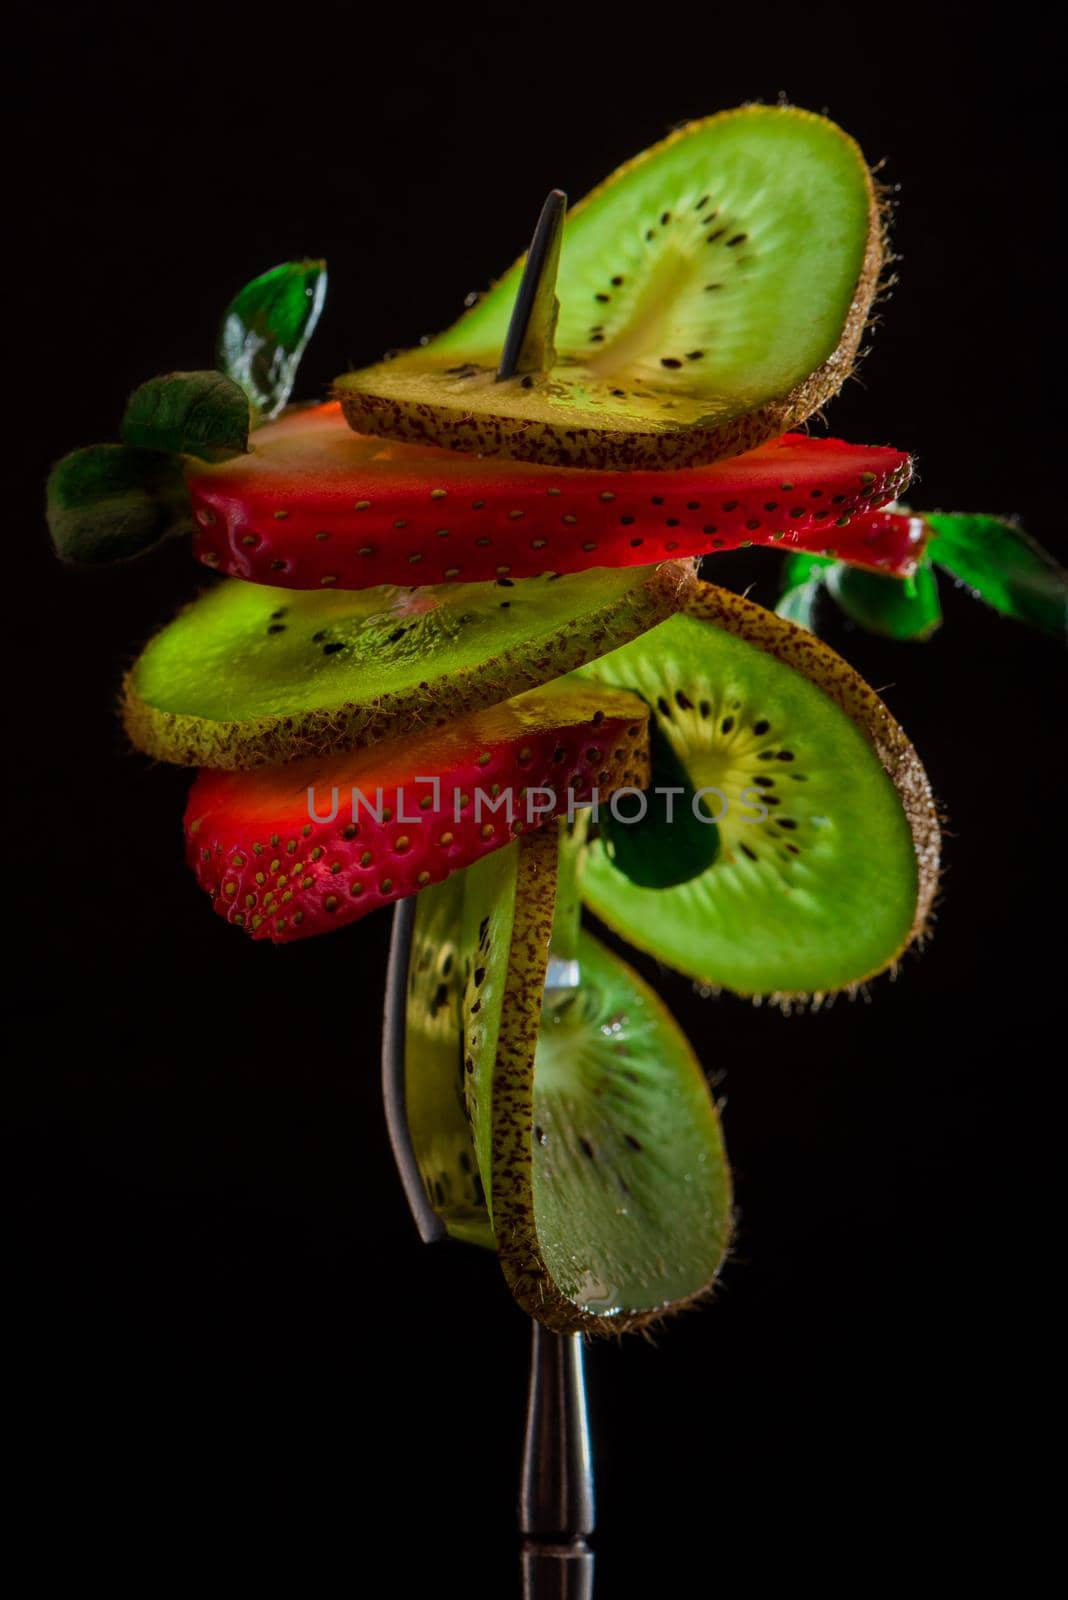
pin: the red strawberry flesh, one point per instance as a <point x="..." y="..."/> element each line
<point x="315" y="505"/>
<point x="423" y="808"/>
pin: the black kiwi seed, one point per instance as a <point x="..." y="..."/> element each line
<point x="761" y="727"/>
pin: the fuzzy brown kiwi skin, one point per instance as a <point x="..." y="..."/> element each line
<point x="801" y="650"/>
<point x="519" y="439"/>
<point x="524" y="440"/>
<point x="269" y="741"/>
<point x="512" y="1134"/>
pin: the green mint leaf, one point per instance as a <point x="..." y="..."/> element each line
<point x="1002" y="566"/>
<point x="266" y="329"/>
<point x="896" y="608"/>
<point x="798" y="603"/>
<point x="202" y="414"/>
<point x="110" y="503"/>
<point x="800" y="567"/>
<point x="802" y="578"/>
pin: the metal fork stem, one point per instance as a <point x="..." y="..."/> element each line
<point x="556" y="1504"/>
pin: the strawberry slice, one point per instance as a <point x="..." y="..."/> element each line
<point x="890" y="542"/>
<point x="315" y="504"/>
<point x="308" y="847"/>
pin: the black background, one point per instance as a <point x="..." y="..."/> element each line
<point x="230" y="1336"/>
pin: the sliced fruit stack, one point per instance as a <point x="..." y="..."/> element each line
<point x="460" y="650"/>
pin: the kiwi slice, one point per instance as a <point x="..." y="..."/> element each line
<point x="596" y="1134"/>
<point x="828" y="835"/>
<point x="250" y="676"/>
<point x="712" y="293"/>
<point x="436" y="1113"/>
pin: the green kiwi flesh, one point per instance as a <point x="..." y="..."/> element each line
<point x="434" y="1067"/>
<point x="631" y="1189"/>
<point x="828" y="835"/>
<point x="250" y="676"/>
<point x="712" y="294"/>
<point x="596" y="1133"/>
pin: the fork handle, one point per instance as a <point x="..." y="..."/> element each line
<point x="556" y="1500"/>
